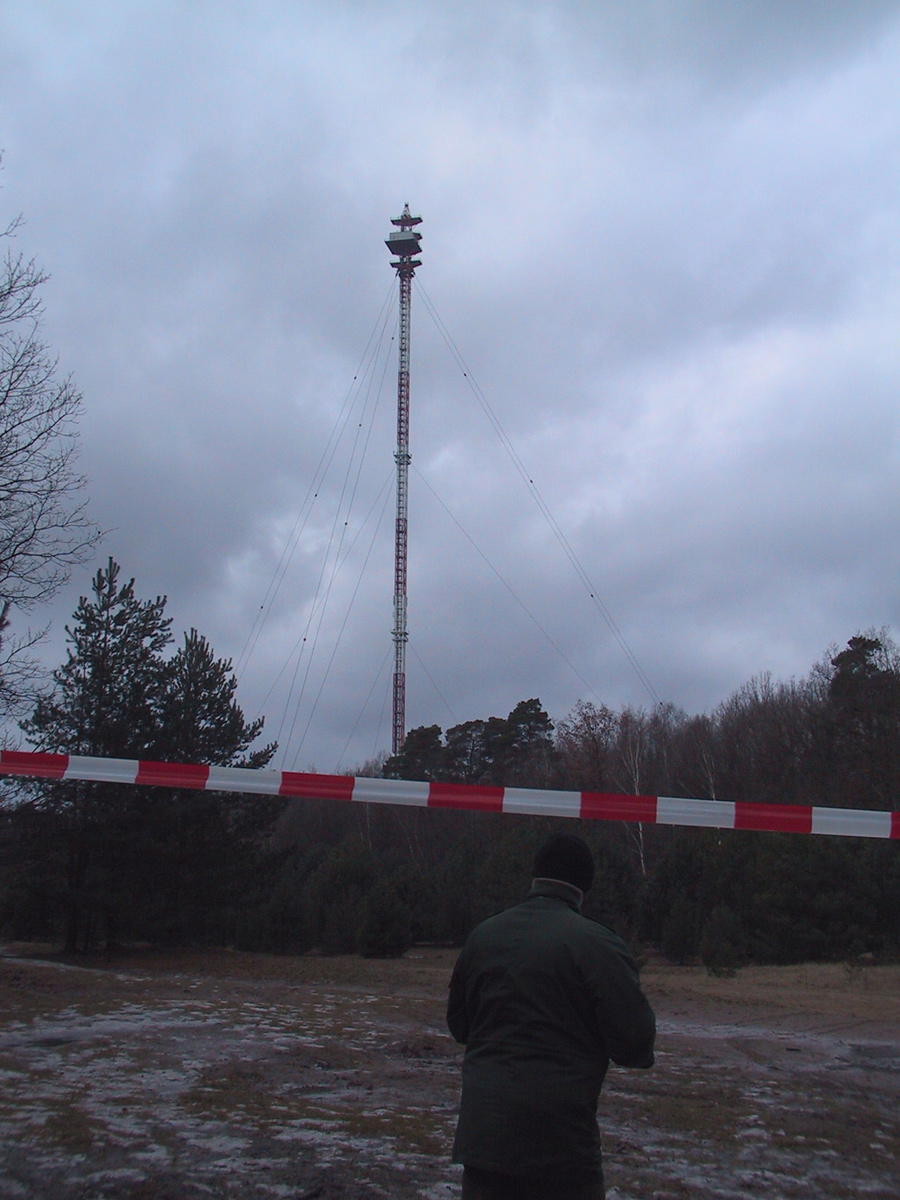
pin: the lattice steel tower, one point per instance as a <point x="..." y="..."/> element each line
<point x="403" y="242"/>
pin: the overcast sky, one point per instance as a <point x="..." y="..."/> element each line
<point x="664" y="237"/>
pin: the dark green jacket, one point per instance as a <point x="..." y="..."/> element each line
<point x="543" y="998"/>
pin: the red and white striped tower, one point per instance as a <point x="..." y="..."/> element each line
<point x="403" y="242"/>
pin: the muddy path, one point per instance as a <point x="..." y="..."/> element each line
<point x="223" y="1075"/>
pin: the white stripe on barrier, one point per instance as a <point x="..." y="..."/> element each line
<point x="531" y="802"/>
<point x="244" y="779"/>
<point x="391" y="791"/>
<point x="710" y="814"/>
<point x="102" y="770"/>
<point x="848" y="822"/>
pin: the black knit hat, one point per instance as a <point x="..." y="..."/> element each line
<point x="566" y="857"/>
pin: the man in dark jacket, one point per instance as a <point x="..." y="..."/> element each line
<point x="542" y="998"/>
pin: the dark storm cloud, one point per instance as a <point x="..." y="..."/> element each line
<point x="664" y="237"/>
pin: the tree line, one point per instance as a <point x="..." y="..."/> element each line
<point x="99" y="865"/>
<point x="831" y="738"/>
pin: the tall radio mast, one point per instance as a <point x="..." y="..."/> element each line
<point x="403" y="242"/>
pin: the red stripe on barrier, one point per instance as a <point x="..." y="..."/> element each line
<point x="176" y="775"/>
<point x="40" y="766"/>
<point x="316" y="787"/>
<point x="776" y="818"/>
<point x="895" y="824"/>
<point x="465" y="795"/>
<point x="609" y="806"/>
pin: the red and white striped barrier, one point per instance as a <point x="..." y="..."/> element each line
<point x="598" y="806"/>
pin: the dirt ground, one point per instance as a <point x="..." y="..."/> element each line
<point x="180" y="1076"/>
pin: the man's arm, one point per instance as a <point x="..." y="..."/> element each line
<point x="624" y="1015"/>
<point x="457" y="1018"/>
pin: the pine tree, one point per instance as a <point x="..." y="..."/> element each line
<point x="420" y="757"/>
<point x="863" y="721"/>
<point x="385" y="929"/>
<point x="527" y="752"/>
<point x="206" y="845"/>
<point x="107" y="701"/>
<point x="721" y="942"/>
<point x="152" y="863"/>
<point x="108" y="696"/>
<point x="203" y="722"/>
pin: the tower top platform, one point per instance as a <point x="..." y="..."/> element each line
<point x="406" y="220"/>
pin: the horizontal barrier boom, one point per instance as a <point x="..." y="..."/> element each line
<point x="595" y="806"/>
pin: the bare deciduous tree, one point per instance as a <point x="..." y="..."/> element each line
<point x="44" y="528"/>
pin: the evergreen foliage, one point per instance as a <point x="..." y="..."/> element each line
<point x="109" y="694"/>
<point x="678" y="940"/>
<point x="516" y="751"/>
<point x="385" y="929"/>
<point x="721" y="943"/>
<point x="111" y="862"/>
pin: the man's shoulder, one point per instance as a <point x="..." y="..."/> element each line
<point x="502" y="924"/>
<point x="555" y="917"/>
<point x="597" y="930"/>
<point x="495" y="923"/>
<point x="602" y="944"/>
<point x="550" y="912"/>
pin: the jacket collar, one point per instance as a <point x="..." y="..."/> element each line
<point x="557" y="887"/>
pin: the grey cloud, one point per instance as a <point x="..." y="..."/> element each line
<point x="663" y="236"/>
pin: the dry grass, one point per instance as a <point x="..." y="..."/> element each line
<point x="826" y="989"/>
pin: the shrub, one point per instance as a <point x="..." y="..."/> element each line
<point x="679" y="932"/>
<point x="721" y="946"/>
<point x="386" y="929"/>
